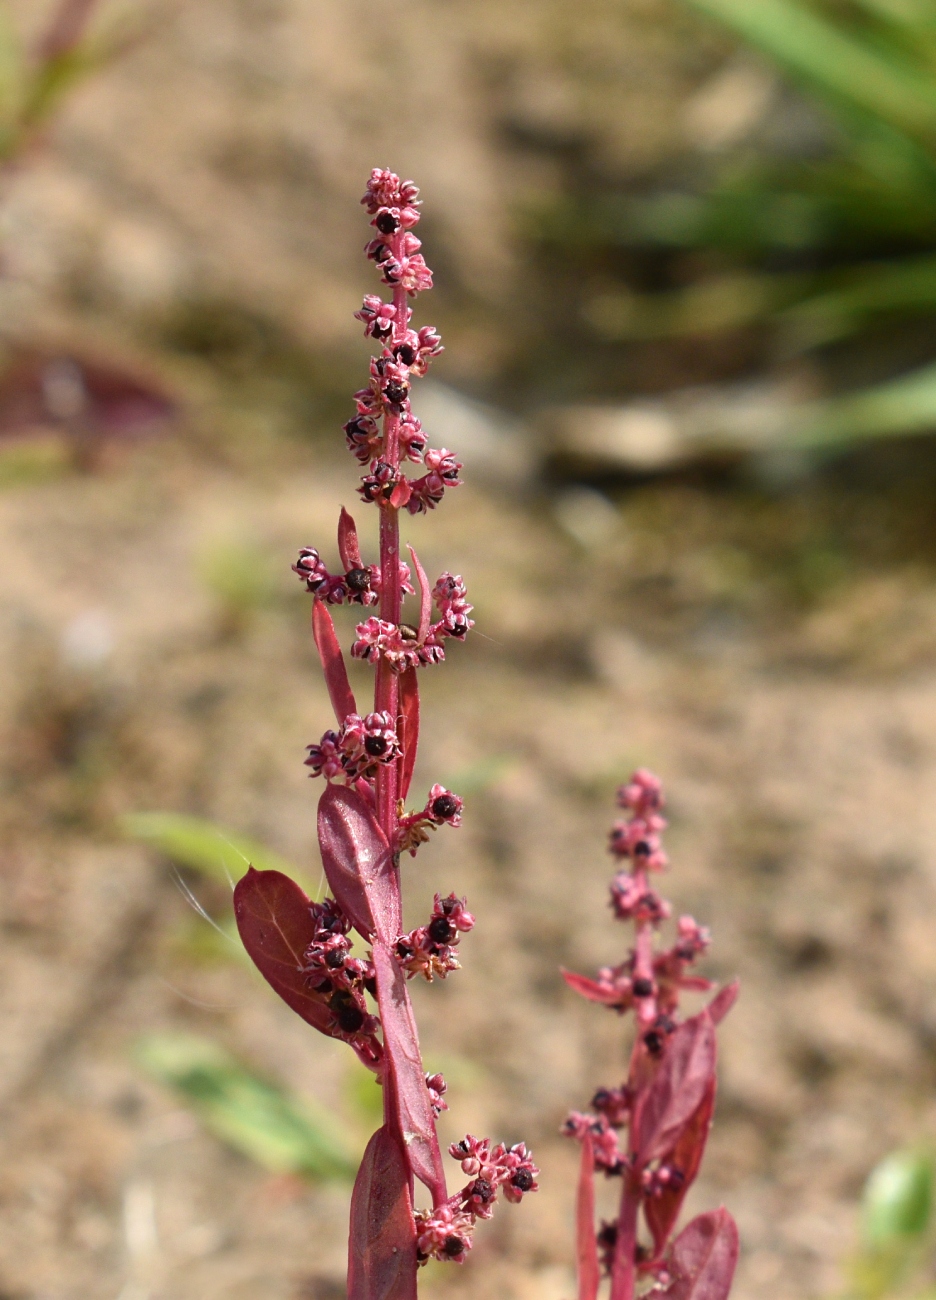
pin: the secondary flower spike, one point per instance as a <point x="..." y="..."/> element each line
<point x="666" y="1102"/>
<point x="309" y="951"/>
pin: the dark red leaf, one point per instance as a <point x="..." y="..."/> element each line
<point x="704" y="1258"/>
<point x="409" y="708"/>
<point x="586" y="1247"/>
<point x="382" y="1247"/>
<point x="333" y="664"/>
<point x="275" y="926"/>
<point x="348" y="547"/>
<point x="401" y="1047"/>
<point x="677" y="1088"/>
<point x="358" y="863"/>
<point x="425" y="596"/>
<point x="723" y="1001"/>
<point x="661" y="1212"/>
<point x="591" y="989"/>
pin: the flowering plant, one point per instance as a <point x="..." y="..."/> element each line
<point x="303" y="948"/>
<point x="666" y="1102"/>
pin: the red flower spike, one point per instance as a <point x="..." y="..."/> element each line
<point x="704" y="1258"/>
<point x="348" y="546"/>
<point x="333" y="664"/>
<point x="409" y="710"/>
<point x="425" y="598"/>
<point x="662" y="1211"/>
<point x="401" y="1044"/>
<point x="358" y="862"/>
<point x="586" y="1245"/>
<point x="382" y="1249"/>
<point x="676" y="1091"/>
<point x="275" y="924"/>
<point x="667" y="1099"/>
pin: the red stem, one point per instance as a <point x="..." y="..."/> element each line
<point x="622" y="1271"/>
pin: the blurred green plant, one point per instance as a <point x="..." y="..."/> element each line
<point x="240" y="577"/>
<point x="814" y="244"/>
<point x="281" y="1132"/>
<point x="897" y="1237"/>
<point x="220" y="855"/>
<point x="34" y="80"/>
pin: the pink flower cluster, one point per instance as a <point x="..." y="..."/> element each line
<point x="446" y="1232"/>
<point x="359" y="586"/>
<point x="336" y="976"/>
<point x="356" y="749"/>
<point x="666" y="1101"/>
<point x="402" y="646"/>
<point x="442" y="808"/>
<point x="430" y="949"/>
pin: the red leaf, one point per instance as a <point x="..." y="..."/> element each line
<point x="333" y="664"/>
<point x="591" y="989"/>
<point x="382" y="1246"/>
<point x="661" y="1212"/>
<point x="586" y="1247"/>
<point x="409" y="707"/>
<point x="704" y="1258"/>
<point x="425" y="597"/>
<point x="677" y="1088"/>
<point x="401" y="1046"/>
<point x="275" y="926"/>
<point x="348" y="547"/>
<point x="358" y="863"/>
<point x="723" y="1001"/>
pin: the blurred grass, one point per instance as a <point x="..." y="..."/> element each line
<point x="279" y="1131"/>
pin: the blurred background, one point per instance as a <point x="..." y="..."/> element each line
<point x="685" y="256"/>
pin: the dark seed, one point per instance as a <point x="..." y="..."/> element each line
<point x="349" y="1015"/>
<point x="387" y="223"/>
<point x="334" y="959"/>
<point x="444" y="806"/>
<point x="441" y="930"/>
<point x="406" y="354"/>
<point x="653" y="1041"/>
<point x="358" y="579"/>
<point x="522" y="1180"/>
<point x="408" y="632"/>
<point x="376" y="746"/>
<point x="453" y="1246"/>
<point x="396" y="392"/>
<point x="642" y="848"/>
<point x="482" y="1189"/>
<point x="643" y="988"/>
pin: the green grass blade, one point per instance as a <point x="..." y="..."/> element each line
<point x="899" y="408"/>
<point x="280" y="1132"/>
<point x="834" y="62"/>
<point x="898" y="1198"/>
<point x="214" y="851"/>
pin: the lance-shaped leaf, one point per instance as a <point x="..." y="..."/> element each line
<point x="677" y="1088"/>
<point x="333" y="664"/>
<point x="425" y="597"/>
<point x="348" y="546"/>
<point x="662" y="1211"/>
<point x="409" y="709"/>
<point x="591" y="989"/>
<point x="723" y="1001"/>
<point x="704" y="1258"/>
<point x="275" y="924"/>
<point x="401" y="1048"/>
<point x="382" y="1248"/>
<point x="358" y="863"/>
<point x="586" y="1246"/>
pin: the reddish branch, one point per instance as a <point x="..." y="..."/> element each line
<point x="665" y="1104"/>
<point x="304" y="949"/>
